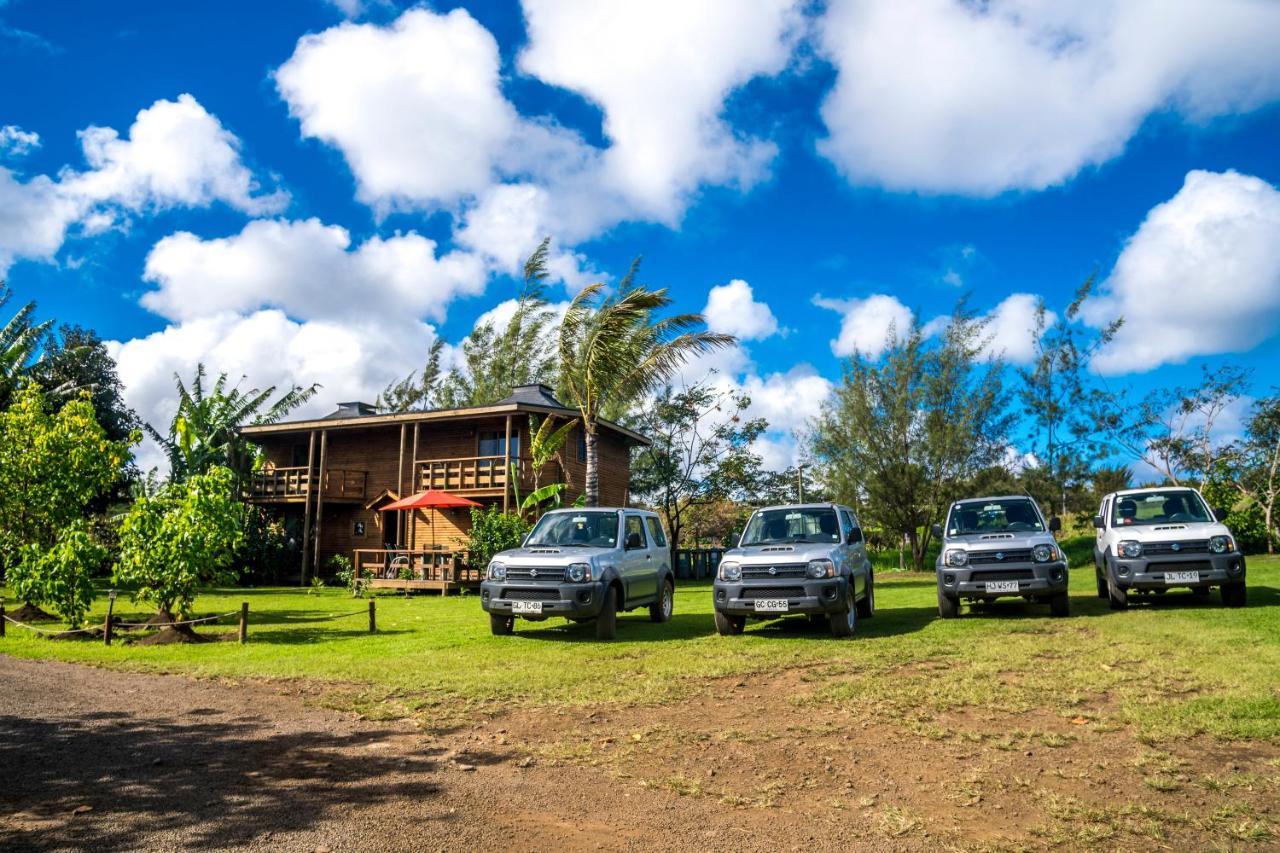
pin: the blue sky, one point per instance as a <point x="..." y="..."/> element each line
<point x="342" y="182"/>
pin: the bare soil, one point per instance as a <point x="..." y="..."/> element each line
<point x="97" y="760"/>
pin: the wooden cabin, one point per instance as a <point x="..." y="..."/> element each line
<point x="328" y="478"/>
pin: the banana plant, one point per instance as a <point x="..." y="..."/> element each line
<point x="545" y="442"/>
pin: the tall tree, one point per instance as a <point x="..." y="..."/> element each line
<point x="613" y="351"/>
<point x="19" y="345"/>
<point x="76" y="360"/>
<point x="416" y="392"/>
<point x="205" y="430"/>
<point x="1059" y="398"/>
<point x="903" y="435"/>
<point x="1253" y="465"/>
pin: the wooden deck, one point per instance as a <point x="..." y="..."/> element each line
<point x="290" y="485"/>
<point x="479" y="475"/>
<point x="400" y="568"/>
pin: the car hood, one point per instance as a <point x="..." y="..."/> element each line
<point x="1000" y="541"/>
<point x="768" y="555"/>
<point x="559" y="555"/>
<point x="1171" y="532"/>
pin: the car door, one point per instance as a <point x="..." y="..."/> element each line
<point x="855" y="550"/>
<point x="658" y="548"/>
<point x="638" y="571"/>
<point x="1100" y="546"/>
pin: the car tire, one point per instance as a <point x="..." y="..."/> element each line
<point x="607" y="621"/>
<point x="728" y="625"/>
<point x="1117" y="596"/>
<point x="1233" y="594"/>
<point x="1102" y="582"/>
<point x="948" y="606"/>
<point x="660" y="610"/>
<point x="843" y="624"/>
<point x="1060" y="604"/>
<point x="500" y="625"/>
<point x="867" y="606"/>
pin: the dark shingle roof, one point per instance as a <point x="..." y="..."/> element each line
<point x="532" y="395"/>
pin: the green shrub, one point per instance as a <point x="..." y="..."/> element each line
<point x="493" y="530"/>
<point x="60" y="576"/>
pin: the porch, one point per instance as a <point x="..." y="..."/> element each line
<point x="437" y="570"/>
<point x="480" y="475"/>
<point x="289" y="485"/>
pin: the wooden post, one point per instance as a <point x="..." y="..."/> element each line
<point x="306" y="513"/>
<point x="508" y="474"/>
<point x="410" y="517"/>
<point x="400" y="467"/>
<point x="244" y="622"/>
<point x="373" y="617"/>
<point x="106" y="625"/>
<point x="324" y="449"/>
<point x="4" y="619"/>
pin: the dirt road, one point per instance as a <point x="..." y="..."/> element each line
<point x="96" y="760"/>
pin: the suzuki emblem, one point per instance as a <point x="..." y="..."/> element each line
<point x="1177" y="547"/>
<point x="773" y="570"/>
<point x="999" y="555"/>
<point x="533" y="573"/>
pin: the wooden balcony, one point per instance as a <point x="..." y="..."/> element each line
<point x="479" y="475"/>
<point x="287" y="485"/>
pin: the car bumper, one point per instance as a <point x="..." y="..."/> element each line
<point x="1032" y="578"/>
<point x="571" y="600"/>
<point x="802" y="595"/>
<point x="1151" y="572"/>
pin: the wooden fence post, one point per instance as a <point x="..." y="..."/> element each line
<point x="2" y="620"/>
<point x="373" y="618"/>
<point x="106" y="625"/>
<point x="244" y="621"/>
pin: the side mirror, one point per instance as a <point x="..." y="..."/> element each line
<point x="936" y="530"/>
<point x="1097" y="522"/>
<point x="633" y="541"/>
<point x="1219" y="513"/>
<point x="855" y="536"/>
<point x="1055" y="524"/>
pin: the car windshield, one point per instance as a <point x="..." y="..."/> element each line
<point x="994" y="516"/>
<point x="586" y="529"/>
<point x="813" y="524"/>
<point x="1162" y="507"/>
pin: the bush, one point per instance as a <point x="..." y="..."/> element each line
<point x="345" y="573"/>
<point x="493" y="530"/>
<point x="267" y="552"/>
<point x="61" y="576"/>
<point x="1243" y="517"/>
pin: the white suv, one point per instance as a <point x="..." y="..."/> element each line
<point x="1151" y="540"/>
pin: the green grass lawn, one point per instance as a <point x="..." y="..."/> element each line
<point x="1170" y="668"/>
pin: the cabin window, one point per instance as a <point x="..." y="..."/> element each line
<point x="299" y="454"/>
<point x="491" y="442"/>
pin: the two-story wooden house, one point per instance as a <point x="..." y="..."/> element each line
<point x="329" y="478"/>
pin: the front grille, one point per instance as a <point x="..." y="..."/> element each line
<point x="1192" y="566"/>
<point x="1195" y="546"/>
<point x="1007" y="575"/>
<point x="536" y="574"/>
<point x="977" y="558"/>
<point x="773" y="592"/>
<point x="791" y="571"/>
<point x="531" y="594"/>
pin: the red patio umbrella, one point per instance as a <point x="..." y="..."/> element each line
<point x="430" y="499"/>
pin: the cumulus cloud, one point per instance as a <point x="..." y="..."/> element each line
<point x="943" y="96"/>
<point x="868" y="324"/>
<point x="15" y="142"/>
<point x="1200" y="276"/>
<point x="176" y="154"/>
<point x="732" y="309"/>
<point x="1010" y="328"/>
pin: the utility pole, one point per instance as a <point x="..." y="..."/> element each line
<point x="800" y="480"/>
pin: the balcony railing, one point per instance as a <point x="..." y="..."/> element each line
<point x="286" y="484"/>
<point x="479" y="474"/>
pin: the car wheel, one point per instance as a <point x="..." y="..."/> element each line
<point x="729" y="625"/>
<point x="867" y="606"/>
<point x="1117" y="595"/>
<point x="1102" y="582"/>
<point x="948" y="606"/>
<point x="607" y="621"/>
<point x="1060" y="604"/>
<point x="501" y="625"/>
<point x="660" y="610"/>
<point x="845" y="623"/>
<point x="1233" y="594"/>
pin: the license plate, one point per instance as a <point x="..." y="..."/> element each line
<point x="526" y="607"/>
<point x="1002" y="586"/>
<point x="1182" y="577"/>
<point x="772" y="605"/>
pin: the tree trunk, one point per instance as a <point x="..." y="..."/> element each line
<point x="591" y="488"/>
<point x="917" y="552"/>
<point x="1271" y="533"/>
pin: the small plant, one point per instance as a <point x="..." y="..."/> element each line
<point x="344" y="572"/>
<point x="405" y="573"/>
<point x="493" y="530"/>
<point x="317" y="584"/>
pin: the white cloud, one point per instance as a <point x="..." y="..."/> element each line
<point x="176" y="154"/>
<point x="309" y="270"/>
<point x="16" y="142"/>
<point x="1011" y="328"/>
<point x="1200" y="276"/>
<point x="943" y="96"/>
<point x="868" y="325"/>
<point x="732" y="309"/>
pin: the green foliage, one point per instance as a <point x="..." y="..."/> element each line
<point x="19" y="344"/>
<point x="181" y="538"/>
<point x="493" y="530"/>
<point x="545" y="441"/>
<point x="267" y="553"/>
<point x="1252" y="466"/>
<point x="613" y="352"/>
<point x="344" y="571"/>
<point x="205" y="430"/>
<point x="76" y="360"/>
<point x="60" y="576"/>
<point x="1244" y="516"/>
<point x="414" y="393"/>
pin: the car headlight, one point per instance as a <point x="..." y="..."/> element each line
<point x="730" y="572"/>
<point x="1221" y="544"/>
<point x="1043" y="553"/>
<point x="579" y="572"/>
<point x="1130" y="548"/>
<point x="958" y="557"/>
<point x="821" y="569"/>
<point x="497" y="571"/>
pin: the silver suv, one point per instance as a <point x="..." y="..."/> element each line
<point x="1000" y="546"/>
<point x="582" y="564"/>
<point x="805" y="558"/>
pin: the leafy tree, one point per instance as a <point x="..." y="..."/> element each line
<point x="613" y="352"/>
<point x="205" y="430"/>
<point x="76" y="360"/>
<point x="1060" y="400"/>
<point x="61" y="575"/>
<point x="19" y="345"/>
<point x="903" y="436"/>
<point x="1253" y="465"/>
<point x="493" y="530"/>
<point x="700" y="452"/>
<point x="718" y="521"/>
<point x="182" y="537"/>
<point x="791" y="484"/>
<point x="52" y="465"/>
<point x="414" y="393"/>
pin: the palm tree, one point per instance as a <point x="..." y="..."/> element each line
<point x="613" y="352"/>
<point x="19" y="342"/>
<point x="205" y="430"/>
